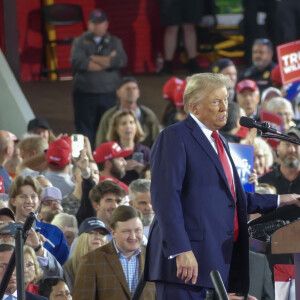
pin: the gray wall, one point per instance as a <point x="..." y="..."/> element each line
<point x="15" y="112"/>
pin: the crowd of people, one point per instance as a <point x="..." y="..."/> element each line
<point x="95" y="231"/>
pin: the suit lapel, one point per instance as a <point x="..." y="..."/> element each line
<point x="205" y="144"/>
<point x="114" y="262"/>
<point x="141" y="261"/>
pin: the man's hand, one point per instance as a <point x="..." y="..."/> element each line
<point x="83" y="161"/>
<point x="289" y="199"/>
<point x="134" y="165"/>
<point x="233" y="296"/>
<point x="187" y="267"/>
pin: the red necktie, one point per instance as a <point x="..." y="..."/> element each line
<point x="227" y="170"/>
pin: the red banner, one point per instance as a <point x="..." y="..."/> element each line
<point x="289" y="61"/>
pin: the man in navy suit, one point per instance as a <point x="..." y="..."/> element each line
<point x="11" y="290"/>
<point x="199" y="203"/>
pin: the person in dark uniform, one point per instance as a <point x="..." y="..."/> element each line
<point x="96" y="59"/>
<point x="262" y="64"/>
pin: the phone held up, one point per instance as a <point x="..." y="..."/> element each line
<point x="138" y="156"/>
<point x="77" y="144"/>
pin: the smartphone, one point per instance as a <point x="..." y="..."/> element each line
<point x="11" y="227"/>
<point x="77" y="144"/>
<point x="138" y="156"/>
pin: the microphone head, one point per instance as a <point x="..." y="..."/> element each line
<point x="247" y="122"/>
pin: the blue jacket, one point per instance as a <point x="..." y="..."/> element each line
<point x="55" y="235"/>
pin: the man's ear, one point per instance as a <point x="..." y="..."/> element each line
<point x="130" y="202"/>
<point x="12" y="202"/>
<point x="113" y="233"/>
<point x="194" y="108"/>
<point x="95" y="206"/>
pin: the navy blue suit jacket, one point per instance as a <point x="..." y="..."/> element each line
<point x="194" y="208"/>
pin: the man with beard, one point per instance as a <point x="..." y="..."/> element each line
<point x="286" y="176"/>
<point x="50" y="204"/>
<point x="128" y="93"/>
<point x="140" y="198"/>
<point x="111" y="164"/>
<point x="260" y="71"/>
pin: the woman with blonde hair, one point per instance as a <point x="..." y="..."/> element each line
<point x="32" y="271"/>
<point x="263" y="156"/>
<point x="126" y="130"/>
<point x="92" y="235"/>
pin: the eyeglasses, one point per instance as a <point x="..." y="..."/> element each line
<point x="3" y="267"/>
<point x="49" y="202"/>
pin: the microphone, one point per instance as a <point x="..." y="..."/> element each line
<point x="218" y="284"/>
<point x="264" y="127"/>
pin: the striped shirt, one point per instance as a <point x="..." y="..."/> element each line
<point x="130" y="268"/>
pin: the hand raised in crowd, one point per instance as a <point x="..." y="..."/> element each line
<point x="187" y="267"/>
<point x="34" y="240"/>
<point x="88" y="148"/>
<point x="83" y="161"/>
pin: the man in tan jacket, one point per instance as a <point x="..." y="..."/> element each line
<point x="113" y="270"/>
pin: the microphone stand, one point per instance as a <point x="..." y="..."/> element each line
<point x="20" y="263"/>
<point x="280" y="137"/>
<point x="21" y="234"/>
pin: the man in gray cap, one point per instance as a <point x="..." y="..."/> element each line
<point x="96" y="59"/>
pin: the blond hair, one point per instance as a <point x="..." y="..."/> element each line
<point x="37" y="270"/>
<point x="81" y="248"/>
<point x="33" y="142"/>
<point x="200" y="85"/>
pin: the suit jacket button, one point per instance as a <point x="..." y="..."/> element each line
<point x="230" y="232"/>
<point x="164" y="243"/>
<point x="231" y="205"/>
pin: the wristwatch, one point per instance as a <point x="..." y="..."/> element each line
<point x="38" y="247"/>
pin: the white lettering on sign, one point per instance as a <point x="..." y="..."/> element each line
<point x="291" y="58"/>
<point x="291" y="62"/>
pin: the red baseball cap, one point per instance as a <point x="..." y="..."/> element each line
<point x="178" y="99"/>
<point x="109" y="150"/>
<point x="246" y="84"/>
<point x="171" y="87"/>
<point x="59" y="152"/>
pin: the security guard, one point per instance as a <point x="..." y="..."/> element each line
<point x="260" y="71"/>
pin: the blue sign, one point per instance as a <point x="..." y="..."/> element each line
<point x="243" y="157"/>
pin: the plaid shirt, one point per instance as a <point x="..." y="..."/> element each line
<point x="130" y="268"/>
